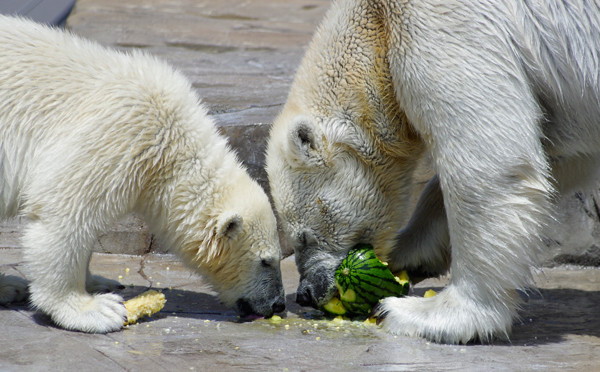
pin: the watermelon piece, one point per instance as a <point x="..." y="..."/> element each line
<point x="362" y="280"/>
<point x="335" y="306"/>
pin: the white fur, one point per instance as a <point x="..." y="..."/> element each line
<point x="89" y="134"/>
<point x="503" y="95"/>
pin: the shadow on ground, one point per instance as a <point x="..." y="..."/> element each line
<point x="548" y="315"/>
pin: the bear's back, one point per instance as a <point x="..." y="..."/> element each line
<point x="43" y="69"/>
<point x="64" y="99"/>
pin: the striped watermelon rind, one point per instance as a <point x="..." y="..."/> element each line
<point x="362" y="280"/>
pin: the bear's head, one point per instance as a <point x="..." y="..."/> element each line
<point x="232" y="241"/>
<point x="341" y="153"/>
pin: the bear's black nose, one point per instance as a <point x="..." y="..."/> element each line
<point x="278" y="306"/>
<point x="304" y="297"/>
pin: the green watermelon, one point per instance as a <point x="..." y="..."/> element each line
<point x="362" y="280"/>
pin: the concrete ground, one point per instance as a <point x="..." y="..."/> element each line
<point x="559" y="330"/>
<point x="241" y="56"/>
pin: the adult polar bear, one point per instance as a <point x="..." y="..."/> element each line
<point x="87" y="135"/>
<point x="504" y="97"/>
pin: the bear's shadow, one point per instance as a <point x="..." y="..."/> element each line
<point x="550" y="315"/>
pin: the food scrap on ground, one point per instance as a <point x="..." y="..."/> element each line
<point x="145" y="304"/>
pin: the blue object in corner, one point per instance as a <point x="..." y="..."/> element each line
<point x="51" y="12"/>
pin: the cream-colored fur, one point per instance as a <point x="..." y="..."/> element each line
<point x="89" y="134"/>
<point x="503" y="96"/>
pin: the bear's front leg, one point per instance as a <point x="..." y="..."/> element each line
<point x="58" y="260"/>
<point x="494" y="225"/>
<point x="496" y="204"/>
<point x="481" y="122"/>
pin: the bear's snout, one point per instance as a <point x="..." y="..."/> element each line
<point x="278" y="306"/>
<point x="304" y="296"/>
<point x="247" y="309"/>
<point x="316" y="291"/>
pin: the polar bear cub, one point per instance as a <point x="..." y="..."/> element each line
<point x="89" y="134"/>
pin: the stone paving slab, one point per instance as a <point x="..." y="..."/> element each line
<point x="559" y="330"/>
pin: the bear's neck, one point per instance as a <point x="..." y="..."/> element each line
<point x="201" y="176"/>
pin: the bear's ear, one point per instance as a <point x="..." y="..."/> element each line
<point x="230" y="226"/>
<point x="304" y="141"/>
